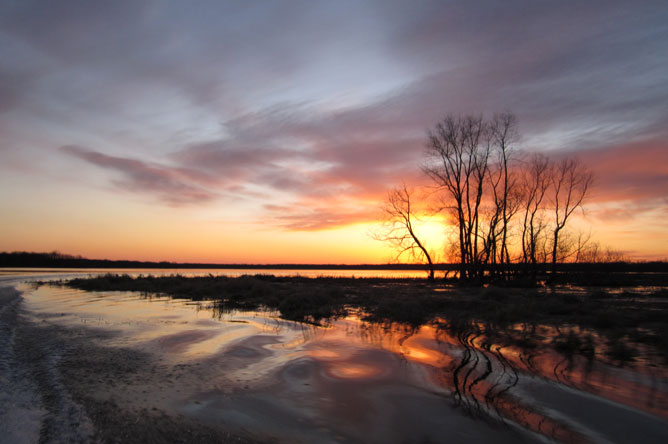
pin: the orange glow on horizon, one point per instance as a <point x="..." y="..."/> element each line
<point x="132" y="230"/>
<point x="137" y="238"/>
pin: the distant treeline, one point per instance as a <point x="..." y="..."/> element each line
<point x="60" y="260"/>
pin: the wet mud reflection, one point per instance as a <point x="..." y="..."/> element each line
<point x="358" y="381"/>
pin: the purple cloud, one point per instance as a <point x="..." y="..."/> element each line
<point x="173" y="186"/>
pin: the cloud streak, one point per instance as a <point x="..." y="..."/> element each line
<point x="173" y="186"/>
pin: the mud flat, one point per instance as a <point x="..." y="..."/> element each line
<point x="120" y="366"/>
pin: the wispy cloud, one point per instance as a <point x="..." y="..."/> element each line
<point x="173" y="186"/>
<point x="310" y="218"/>
<point x="634" y="172"/>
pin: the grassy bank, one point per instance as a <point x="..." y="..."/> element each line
<point x="626" y="318"/>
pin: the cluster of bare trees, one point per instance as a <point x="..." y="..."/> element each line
<point x="507" y="208"/>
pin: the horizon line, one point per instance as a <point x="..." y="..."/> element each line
<point x="440" y="266"/>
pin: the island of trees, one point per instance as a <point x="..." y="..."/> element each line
<point x="510" y="210"/>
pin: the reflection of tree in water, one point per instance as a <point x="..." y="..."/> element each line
<point x="484" y="366"/>
<point x="491" y="361"/>
<point x="483" y="379"/>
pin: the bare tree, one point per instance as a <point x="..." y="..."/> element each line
<point x="458" y="164"/>
<point x="583" y="246"/>
<point x="400" y="230"/>
<point x="502" y="134"/>
<point x="593" y="252"/>
<point x="570" y="182"/>
<point x="471" y="160"/>
<point x="535" y="182"/>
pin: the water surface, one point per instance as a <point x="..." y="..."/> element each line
<point x="65" y="273"/>
<point x="251" y="372"/>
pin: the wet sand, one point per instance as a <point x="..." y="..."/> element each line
<point x="92" y="367"/>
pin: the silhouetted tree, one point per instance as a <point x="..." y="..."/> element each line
<point x="457" y="162"/>
<point x="503" y="184"/>
<point x="535" y="182"/>
<point x="570" y="182"/>
<point x="593" y="252"/>
<point x="400" y="230"/>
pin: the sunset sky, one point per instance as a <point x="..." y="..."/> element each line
<point x="270" y="132"/>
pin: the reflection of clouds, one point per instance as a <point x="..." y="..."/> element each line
<point x="343" y="357"/>
<point x="353" y="370"/>
<point x="425" y="355"/>
<point x="324" y="354"/>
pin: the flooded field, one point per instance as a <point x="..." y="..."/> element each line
<point x="258" y="377"/>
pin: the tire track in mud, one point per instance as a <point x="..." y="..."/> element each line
<point x="35" y="406"/>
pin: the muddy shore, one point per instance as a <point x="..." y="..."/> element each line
<point x="57" y="385"/>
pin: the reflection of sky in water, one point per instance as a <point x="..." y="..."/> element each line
<point x="66" y="273"/>
<point x="321" y="373"/>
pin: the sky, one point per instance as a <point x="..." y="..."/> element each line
<point x="270" y="132"/>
